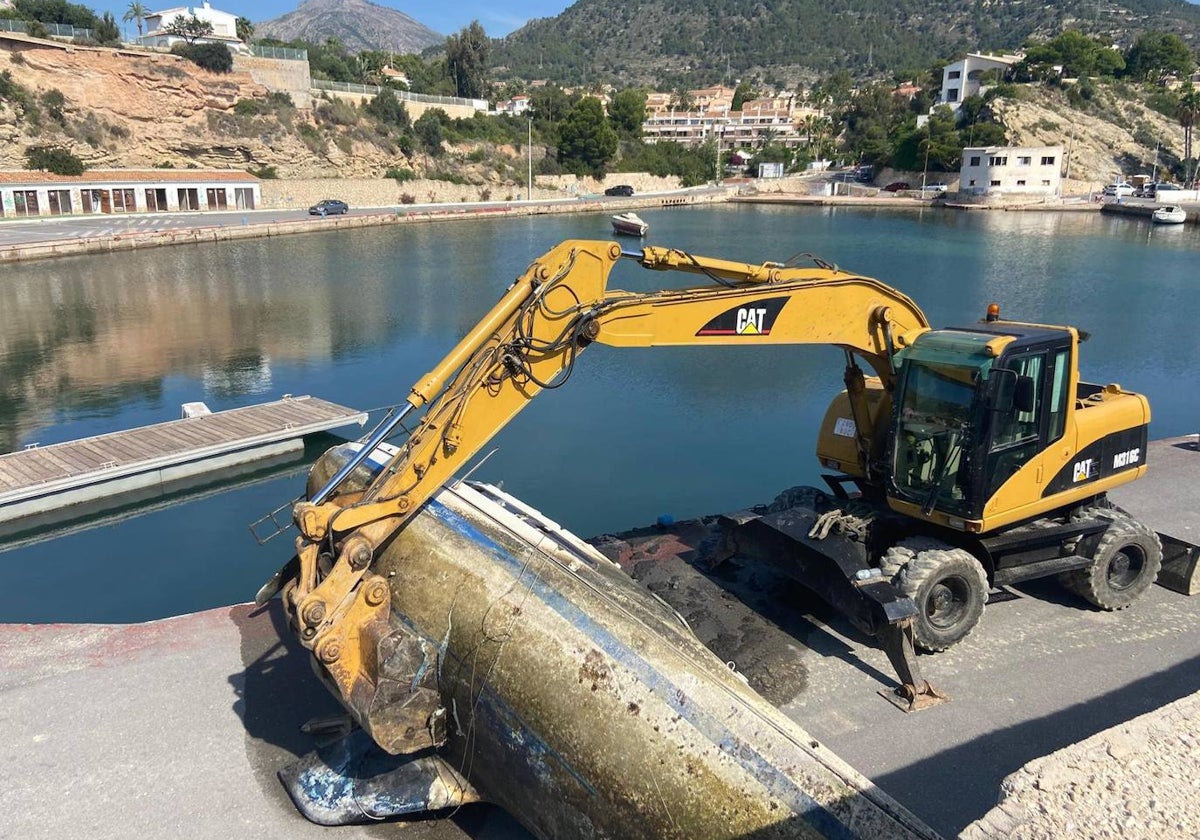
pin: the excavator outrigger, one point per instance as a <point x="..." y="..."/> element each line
<point x="964" y="459"/>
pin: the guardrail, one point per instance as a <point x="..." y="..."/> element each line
<point x="373" y="90"/>
<point x="59" y="30"/>
<point x="278" y="52"/>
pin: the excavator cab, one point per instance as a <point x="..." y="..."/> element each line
<point x="976" y="417"/>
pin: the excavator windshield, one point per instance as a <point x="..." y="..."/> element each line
<point x="940" y="411"/>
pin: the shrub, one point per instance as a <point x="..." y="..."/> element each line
<point x="451" y="177"/>
<point x="54" y="102"/>
<point x="214" y="57"/>
<point x="266" y="173"/>
<point x="408" y="198"/>
<point x="312" y="137"/>
<point x="344" y="143"/>
<point x="248" y="107"/>
<point x="389" y="110"/>
<point x="17" y="58"/>
<point x="54" y="159"/>
<point x="400" y="175"/>
<point x="338" y="112"/>
<point x="485" y="195"/>
<point x="36" y="29"/>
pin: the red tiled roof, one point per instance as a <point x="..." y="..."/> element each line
<point x="97" y="176"/>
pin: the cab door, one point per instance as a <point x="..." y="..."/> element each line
<point x="1037" y="416"/>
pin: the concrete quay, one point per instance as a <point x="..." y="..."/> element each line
<point x="412" y="214"/>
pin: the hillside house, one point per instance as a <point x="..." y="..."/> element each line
<point x="964" y="78"/>
<point x="1011" y="170"/>
<point x="223" y="23"/>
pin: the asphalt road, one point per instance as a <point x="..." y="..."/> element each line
<point x="53" y="228"/>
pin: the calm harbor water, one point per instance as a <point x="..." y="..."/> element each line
<point x="96" y="344"/>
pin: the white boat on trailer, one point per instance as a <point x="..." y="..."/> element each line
<point x="629" y="224"/>
<point x="1170" y="214"/>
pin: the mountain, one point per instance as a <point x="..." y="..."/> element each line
<point x="705" y="41"/>
<point x="358" y="24"/>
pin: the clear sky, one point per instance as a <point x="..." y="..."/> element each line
<point x="497" y="18"/>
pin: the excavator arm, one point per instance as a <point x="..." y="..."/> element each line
<point x="530" y="341"/>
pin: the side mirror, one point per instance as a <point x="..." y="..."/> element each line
<point x="1023" y="394"/>
<point x="1001" y="386"/>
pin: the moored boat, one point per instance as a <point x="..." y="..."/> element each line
<point x="629" y="224"/>
<point x="1171" y="214"/>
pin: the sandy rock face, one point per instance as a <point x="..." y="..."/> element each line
<point x="145" y="110"/>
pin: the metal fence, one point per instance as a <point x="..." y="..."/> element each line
<point x="58" y="30"/>
<point x="278" y="52"/>
<point x="372" y="90"/>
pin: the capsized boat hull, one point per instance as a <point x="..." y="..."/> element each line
<point x="587" y="708"/>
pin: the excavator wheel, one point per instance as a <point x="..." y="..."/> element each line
<point x="949" y="587"/>
<point x="1126" y="562"/>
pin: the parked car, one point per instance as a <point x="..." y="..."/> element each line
<point x="329" y="207"/>
<point x="896" y="186"/>
<point x="620" y="189"/>
<point x="934" y="188"/>
<point x="1154" y="190"/>
<point x="1119" y="189"/>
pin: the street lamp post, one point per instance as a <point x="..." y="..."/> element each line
<point x="529" y="183"/>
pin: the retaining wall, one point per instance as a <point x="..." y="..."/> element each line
<point x="278" y="75"/>
<point x="387" y="192"/>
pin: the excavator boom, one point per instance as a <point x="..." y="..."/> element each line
<point x="530" y="340"/>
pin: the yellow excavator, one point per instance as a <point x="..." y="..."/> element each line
<point x="961" y="459"/>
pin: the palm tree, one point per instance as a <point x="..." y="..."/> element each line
<point x="1189" y="109"/>
<point x="245" y="29"/>
<point x="138" y="12"/>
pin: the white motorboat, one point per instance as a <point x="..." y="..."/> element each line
<point x="629" y="224"/>
<point x="1170" y="214"/>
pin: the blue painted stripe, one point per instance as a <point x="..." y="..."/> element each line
<point x="771" y="777"/>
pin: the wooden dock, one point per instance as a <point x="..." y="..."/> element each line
<point x="44" y="478"/>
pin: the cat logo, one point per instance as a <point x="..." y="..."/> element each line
<point x="1084" y="470"/>
<point x="751" y="319"/>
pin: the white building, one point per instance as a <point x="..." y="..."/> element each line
<point x="1011" y="170"/>
<point x="963" y="78"/>
<point x="104" y="191"/>
<point x="224" y="26"/>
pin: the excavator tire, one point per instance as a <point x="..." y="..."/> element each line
<point x="800" y="496"/>
<point x="949" y="587"/>
<point x="1124" y="565"/>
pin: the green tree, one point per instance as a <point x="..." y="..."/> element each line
<point x="740" y="94"/>
<point x="107" y="31"/>
<point x="54" y="159"/>
<point x="627" y="112"/>
<point x="190" y="28"/>
<point x="428" y="129"/>
<point x="1076" y="53"/>
<point x="388" y="109"/>
<point x="1155" y="56"/>
<point x="138" y="12"/>
<point x="55" y="11"/>
<point x="467" y="54"/>
<point x="245" y="29"/>
<point x="586" y="142"/>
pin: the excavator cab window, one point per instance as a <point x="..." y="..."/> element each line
<point x="1030" y="421"/>
<point x="938" y="414"/>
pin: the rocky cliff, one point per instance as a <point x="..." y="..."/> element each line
<point x="127" y="109"/>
